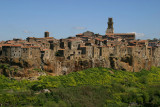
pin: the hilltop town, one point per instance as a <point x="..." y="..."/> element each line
<point x="86" y="50"/>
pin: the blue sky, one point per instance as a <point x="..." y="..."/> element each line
<point x="63" y="18"/>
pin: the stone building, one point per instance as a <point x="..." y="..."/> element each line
<point x="11" y="51"/>
<point x="120" y="36"/>
<point x="115" y="50"/>
<point x="110" y="26"/>
<point x="0" y="49"/>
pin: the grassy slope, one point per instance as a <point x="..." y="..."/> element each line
<point x="92" y="87"/>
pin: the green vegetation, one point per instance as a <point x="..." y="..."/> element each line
<point x="39" y="70"/>
<point x="99" y="87"/>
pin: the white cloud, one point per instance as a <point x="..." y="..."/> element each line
<point x="139" y="35"/>
<point x="27" y="32"/>
<point x="79" y="28"/>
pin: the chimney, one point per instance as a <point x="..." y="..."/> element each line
<point x="46" y="34"/>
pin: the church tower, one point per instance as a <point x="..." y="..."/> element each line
<point x="110" y="26"/>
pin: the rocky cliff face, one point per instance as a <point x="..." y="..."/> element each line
<point x="126" y="58"/>
<point x="130" y="61"/>
<point x="156" y="57"/>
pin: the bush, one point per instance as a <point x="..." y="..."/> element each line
<point x="92" y="87"/>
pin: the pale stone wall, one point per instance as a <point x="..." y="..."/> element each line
<point x="15" y="52"/>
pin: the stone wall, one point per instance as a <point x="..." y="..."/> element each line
<point x="63" y="56"/>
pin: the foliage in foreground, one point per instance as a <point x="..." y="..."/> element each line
<point x="100" y="87"/>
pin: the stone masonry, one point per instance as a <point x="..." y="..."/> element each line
<point x="86" y="50"/>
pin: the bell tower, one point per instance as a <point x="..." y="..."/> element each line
<point x="110" y="28"/>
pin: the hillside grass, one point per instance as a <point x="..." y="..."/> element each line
<point x="94" y="87"/>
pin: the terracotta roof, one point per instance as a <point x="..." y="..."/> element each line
<point x="45" y="49"/>
<point x="50" y="40"/>
<point x="99" y="36"/>
<point x="109" y="33"/>
<point x="72" y="37"/>
<point x="25" y="47"/>
<point x="83" y="46"/>
<point x="10" y="41"/>
<point x="17" y="45"/>
<point x="48" y="37"/>
<point x="124" y="33"/>
<point x="36" y="38"/>
<point x="75" y="39"/>
<point x="80" y="34"/>
<point x="94" y="45"/>
<point x="140" y="45"/>
<point x="133" y="41"/>
<point x="39" y="38"/>
<point x="110" y="46"/>
<point x="152" y="42"/>
<point x="34" y="46"/>
<point x="111" y="41"/>
<point x="141" y="41"/>
<point x="102" y="46"/>
<point x="105" y="39"/>
<point x="149" y="46"/>
<point x="99" y="39"/>
<point x="28" y="43"/>
<point x="84" y="36"/>
<point x="6" y="45"/>
<point x="2" y="41"/>
<point x="114" y="37"/>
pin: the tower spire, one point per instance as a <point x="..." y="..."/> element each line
<point x="110" y="28"/>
